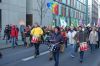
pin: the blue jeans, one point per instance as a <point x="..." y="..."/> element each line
<point x="81" y="55"/>
<point x="56" y="58"/>
<point x="72" y="48"/>
<point x="92" y="46"/>
<point x="14" y="41"/>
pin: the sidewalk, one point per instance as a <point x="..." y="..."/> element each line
<point x="3" y="44"/>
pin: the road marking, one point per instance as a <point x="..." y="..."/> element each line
<point x="32" y="57"/>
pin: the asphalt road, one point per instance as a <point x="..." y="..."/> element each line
<point x="22" y="56"/>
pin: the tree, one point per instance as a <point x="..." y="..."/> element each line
<point x="42" y="10"/>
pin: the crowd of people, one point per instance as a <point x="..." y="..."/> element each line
<point x="57" y="39"/>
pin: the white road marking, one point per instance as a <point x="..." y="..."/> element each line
<point x="32" y="57"/>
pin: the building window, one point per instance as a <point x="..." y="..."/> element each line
<point x="63" y="10"/>
<point x="68" y="2"/>
<point x="29" y="19"/>
<point x="0" y="0"/>
<point x="64" y="1"/>
<point x="67" y="11"/>
<point x="0" y="18"/>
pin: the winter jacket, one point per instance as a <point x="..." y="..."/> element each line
<point x="81" y="36"/>
<point x="37" y="32"/>
<point x="93" y="37"/>
<point x="22" y="28"/>
<point x="13" y="32"/>
<point x="57" y="37"/>
<point x="71" y="36"/>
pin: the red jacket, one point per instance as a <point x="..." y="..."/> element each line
<point x="13" y="32"/>
<point x="63" y="33"/>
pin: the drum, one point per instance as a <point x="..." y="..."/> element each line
<point x="35" y="39"/>
<point x="83" y="46"/>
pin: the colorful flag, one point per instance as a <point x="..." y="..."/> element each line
<point x="53" y="7"/>
<point x="49" y="5"/>
<point x="80" y="23"/>
<point x="98" y="23"/>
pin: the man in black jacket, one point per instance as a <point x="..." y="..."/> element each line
<point x="57" y="41"/>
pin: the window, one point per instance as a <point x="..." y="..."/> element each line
<point x="68" y="2"/>
<point x="72" y="2"/>
<point x="71" y="13"/>
<point x="64" y="1"/>
<point x="28" y="19"/>
<point x="67" y="11"/>
<point x="59" y="1"/>
<point x="0" y="18"/>
<point x="60" y="9"/>
<point x="63" y="10"/>
<point x="0" y="0"/>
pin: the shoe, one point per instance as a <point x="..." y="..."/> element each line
<point x="50" y="59"/>
<point x="72" y="56"/>
<point x="36" y="56"/>
<point x="81" y="61"/>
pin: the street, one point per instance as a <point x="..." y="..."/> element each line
<point x="21" y="56"/>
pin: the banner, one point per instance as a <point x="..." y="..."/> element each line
<point x="63" y="23"/>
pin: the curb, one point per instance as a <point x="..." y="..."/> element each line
<point x="9" y="47"/>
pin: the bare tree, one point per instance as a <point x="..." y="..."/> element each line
<point x="42" y="10"/>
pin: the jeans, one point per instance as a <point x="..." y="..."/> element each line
<point x="81" y="55"/>
<point x="56" y="58"/>
<point x="72" y="48"/>
<point x="92" y="46"/>
<point x="14" y="41"/>
<point x="22" y="36"/>
<point x="36" y="48"/>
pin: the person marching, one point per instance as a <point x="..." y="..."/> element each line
<point x="93" y="38"/>
<point x="72" y="42"/>
<point x="58" y="39"/>
<point x="36" y="33"/>
<point x="13" y="36"/>
<point x="81" y="38"/>
<point x="27" y="35"/>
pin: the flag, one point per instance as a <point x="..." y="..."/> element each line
<point x="53" y="7"/>
<point x="80" y="23"/>
<point x="49" y="5"/>
<point x="98" y="23"/>
<point x="63" y="22"/>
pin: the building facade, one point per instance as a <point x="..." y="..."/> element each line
<point x="93" y="11"/>
<point x="11" y="12"/>
<point x="73" y="11"/>
<point x="99" y="10"/>
<point x="37" y="11"/>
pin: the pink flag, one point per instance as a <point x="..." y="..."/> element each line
<point x="80" y="23"/>
<point x="98" y="23"/>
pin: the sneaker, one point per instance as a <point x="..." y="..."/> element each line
<point x="50" y="59"/>
<point x="72" y="56"/>
<point x="81" y="61"/>
<point x="36" y="56"/>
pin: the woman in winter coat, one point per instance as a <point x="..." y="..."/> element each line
<point x="93" y="38"/>
<point x="13" y="36"/>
